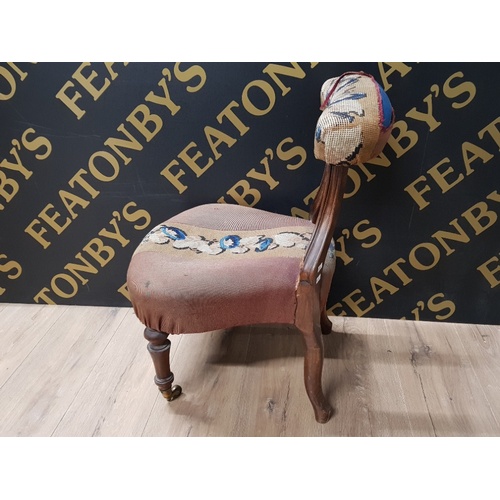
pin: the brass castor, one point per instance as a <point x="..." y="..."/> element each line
<point x="168" y="391"/>
<point x="173" y="393"/>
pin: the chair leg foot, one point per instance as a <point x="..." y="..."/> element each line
<point x="324" y="415"/>
<point x="159" y="349"/>
<point x="169" y="394"/>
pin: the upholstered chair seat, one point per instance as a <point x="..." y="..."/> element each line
<point x="216" y="266"/>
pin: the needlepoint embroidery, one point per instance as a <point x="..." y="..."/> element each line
<point x="180" y="239"/>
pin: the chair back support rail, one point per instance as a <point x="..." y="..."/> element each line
<point x="326" y="216"/>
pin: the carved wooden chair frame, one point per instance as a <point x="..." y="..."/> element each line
<point x="311" y="291"/>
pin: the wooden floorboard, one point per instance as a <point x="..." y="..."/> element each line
<point x="116" y="390"/>
<point x="21" y="329"/>
<point x="85" y="371"/>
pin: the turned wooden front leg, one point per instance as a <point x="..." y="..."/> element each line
<point x="159" y="348"/>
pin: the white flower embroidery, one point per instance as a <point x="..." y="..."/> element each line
<point x="231" y="243"/>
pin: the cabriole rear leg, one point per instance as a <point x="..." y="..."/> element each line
<point x="313" y="369"/>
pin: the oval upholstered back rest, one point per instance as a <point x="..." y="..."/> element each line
<point x="356" y="122"/>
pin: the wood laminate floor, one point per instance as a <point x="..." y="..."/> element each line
<point x="84" y="371"/>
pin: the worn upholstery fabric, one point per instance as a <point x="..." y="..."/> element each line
<point x="356" y="121"/>
<point x="217" y="266"/>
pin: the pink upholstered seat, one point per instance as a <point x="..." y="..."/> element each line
<point x="217" y="266"/>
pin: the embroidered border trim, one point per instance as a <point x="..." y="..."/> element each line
<point x="230" y="243"/>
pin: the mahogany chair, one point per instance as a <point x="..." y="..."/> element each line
<point x="217" y="266"/>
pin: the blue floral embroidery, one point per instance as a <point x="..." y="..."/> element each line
<point x="350" y="97"/>
<point x="347" y="81"/>
<point x="264" y="244"/>
<point x="231" y="243"/>
<point x="349" y="116"/>
<point x="173" y="233"/>
<point x="318" y="133"/>
<point x="342" y="93"/>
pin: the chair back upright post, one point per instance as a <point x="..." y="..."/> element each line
<point x="325" y="213"/>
